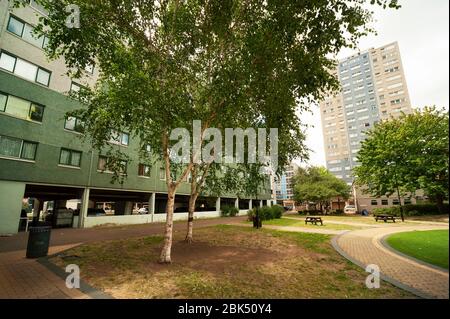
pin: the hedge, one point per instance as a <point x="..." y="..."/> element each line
<point x="229" y="211"/>
<point x="266" y="212"/>
<point x="411" y="210"/>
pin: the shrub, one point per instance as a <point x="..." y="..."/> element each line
<point x="411" y="210"/>
<point x="338" y="211"/>
<point x="423" y="209"/>
<point x="250" y="214"/>
<point x="229" y="211"/>
<point x="266" y="212"/>
<point x="387" y="211"/>
<point x="277" y="211"/>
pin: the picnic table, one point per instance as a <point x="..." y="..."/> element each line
<point x="313" y="220"/>
<point x="385" y="218"/>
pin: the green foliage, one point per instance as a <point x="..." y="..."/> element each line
<point x="227" y="63"/>
<point x="309" y="212"/>
<point x="266" y="212"/>
<point x="229" y="211"/>
<point x="316" y="184"/>
<point x="405" y="154"/>
<point x="277" y="211"/>
<point x="412" y="210"/>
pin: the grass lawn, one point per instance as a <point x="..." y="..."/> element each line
<point x="430" y="246"/>
<point x="369" y="220"/>
<point x="343" y="218"/>
<point x="225" y="262"/>
<point x="297" y="223"/>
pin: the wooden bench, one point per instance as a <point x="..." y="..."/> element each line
<point x="385" y="218"/>
<point x="313" y="220"/>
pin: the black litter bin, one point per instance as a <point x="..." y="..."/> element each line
<point x="257" y="223"/>
<point x="38" y="241"/>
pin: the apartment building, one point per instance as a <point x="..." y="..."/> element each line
<point x="284" y="187"/>
<point x="45" y="167"/>
<point x="373" y="88"/>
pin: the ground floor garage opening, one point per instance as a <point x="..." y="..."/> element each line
<point x="56" y="206"/>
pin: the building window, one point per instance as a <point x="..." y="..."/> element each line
<point x="374" y="202"/>
<point x="407" y="201"/>
<point x="384" y="202"/>
<point x="105" y="165"/>
<point x="15" y="26"/>
<point x="102" y="163"/>
<point x="21" y="108"/>
<point x="89" y="68"/>
<point x="26" y="32"/>
<point x="119" y="138"/>
<point x="38" y="7"/>
<point x="395" y="202"/>
<point x="70" y="157"/>
<point x="74" y="124"/>
<point x="75" y="87"/>
<point x="162" y="174"/>
<point x="17" y="148"/>
<point x="24" y="69"/>
<point x="144" y="170"/>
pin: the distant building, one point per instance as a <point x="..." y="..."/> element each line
<point x="373" y="88"/>
<point x="284" y="187"/>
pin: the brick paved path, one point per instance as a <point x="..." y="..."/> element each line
<point x="26" y="278"/>
<point x="365" y="247"/>
<point x="22" y="278"/>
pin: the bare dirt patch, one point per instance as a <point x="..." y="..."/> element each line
<point x="225" y="262"/>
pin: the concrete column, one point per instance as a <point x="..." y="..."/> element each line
<point x="151" y="205"/>
<point x="218" y="204"/>
<point x="84" y="208"/>
<point x="236" y="203"/>
<point x="11" y="197"/>
<point x="128" y="208"/>
<point x="250" y="204"/>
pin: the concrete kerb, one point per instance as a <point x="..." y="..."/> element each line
<point x="84" y="287"/>
<point x="385" y="244"/>
<point x="334" y="243"/>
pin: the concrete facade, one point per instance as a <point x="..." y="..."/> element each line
<point x="373" y="88"/>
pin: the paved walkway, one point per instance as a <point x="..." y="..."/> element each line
<point x="331" y="221"/>
<point x="26" y="278"/>
<point x="300" y="229"/>
<point x="365" y="247"/>
<point x="22" y="278"/>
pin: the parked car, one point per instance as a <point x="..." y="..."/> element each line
<point x="143" y="210"/>
<point x="96" y="212"/>
<point x="350" y="209"/>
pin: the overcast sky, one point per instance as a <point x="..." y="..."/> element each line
<point x="421" y="29"/>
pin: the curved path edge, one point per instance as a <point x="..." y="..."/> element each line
<point x="363" y="247"/>
<point x="386" y="245"/>
<point x="382" y="276"/>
